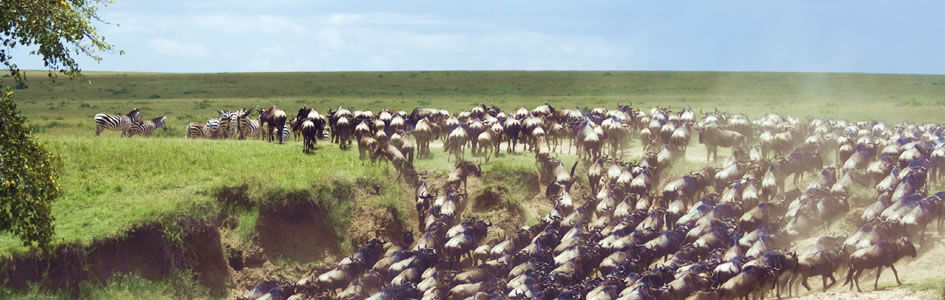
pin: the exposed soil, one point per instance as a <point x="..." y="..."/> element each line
<point x="492" y="204"/>
<point x="299" y="231"/>
<point x="295" y="238"/>
<point x="380" y="222"/>
<point x="145" y="250"/>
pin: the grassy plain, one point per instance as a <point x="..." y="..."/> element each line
<point x="65" y="107"/>
<point x="111" y="183"/>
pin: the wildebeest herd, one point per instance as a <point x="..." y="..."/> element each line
<point x="717" y="233"/>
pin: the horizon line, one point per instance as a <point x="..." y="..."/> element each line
<point x="498" y="71"/>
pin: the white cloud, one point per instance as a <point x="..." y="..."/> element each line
<point x="381" y="48"/>
<point x="349" y="41"/>
<point x="342" y="19"/>
<point x="175" y="48"/>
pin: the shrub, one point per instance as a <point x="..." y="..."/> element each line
<point x="27" y="179"/>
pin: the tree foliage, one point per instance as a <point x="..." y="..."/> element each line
<point x="27" y="179"/>
<point x="58" y="30"/>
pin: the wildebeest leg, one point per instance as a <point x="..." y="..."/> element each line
<point x="941" y="223"/>
<point x="832" y="281"/>
<point x="850" y="274"/>
<point x="879" y="270"/>
<point x="856" y="280"/>
<point x="804" y="282"/>
<point x="893" y="267"/>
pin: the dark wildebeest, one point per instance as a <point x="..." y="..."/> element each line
<point x="882" y="254"/>
<point x="273" y="118"/>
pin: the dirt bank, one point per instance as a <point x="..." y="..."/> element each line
<point x="147" y="250"/>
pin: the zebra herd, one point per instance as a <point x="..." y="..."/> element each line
<point x="236" y="124"/>
<point x="129" y="124"/>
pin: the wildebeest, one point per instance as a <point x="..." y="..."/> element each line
<point x="456" y="143"/>
<point x="273" y="118"/>
<point x="882" y="254"/>
<point x="424" y="134"/>
<point x="460" y="174"/>
<point x="713" y="137"/>
<point x="821" y="263"/>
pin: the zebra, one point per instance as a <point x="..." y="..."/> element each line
<point x="247" y="126"/>
<point x="146" y="127"/>
<point x="113" y="122"/>
<point x="286" y="132"/>
<point x="212" y="128"/>
<point x="229" y="123"/>
<point x="196" y="130"/>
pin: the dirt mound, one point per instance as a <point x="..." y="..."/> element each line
<point x="146" y="250"/>
<point x="382" y="223"/>
<point x="143" y="251"/>
<point x="298" y="231"/>
<point x="492" y="204"/>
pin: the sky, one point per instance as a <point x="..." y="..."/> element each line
<point x="308" y="35"/>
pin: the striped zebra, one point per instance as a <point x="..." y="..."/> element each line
<point x="286" y="132"/>
<point x="212" y="128"/>
<point x="196" y="130"/>
<point x="247" y="127"/>
<point x="116" y="122"/>
<point x="229" y="123"/>
<point x="146" y="127"/>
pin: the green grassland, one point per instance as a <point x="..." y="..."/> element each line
<point x="65" y="107"/>
<point x="112" y="183"/>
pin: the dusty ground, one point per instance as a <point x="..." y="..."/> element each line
<point x="897" y="293"/>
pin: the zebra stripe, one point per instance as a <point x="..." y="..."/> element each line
<point x="213" y="128"/>
<point x="248" y="128"/>
<point x="228" y="124"/>
<point x="196" y="130"/>
<point x="147" y="127"/>
<point x="286" y="131"/>
<point x="116" y="122"/>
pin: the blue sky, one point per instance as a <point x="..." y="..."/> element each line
<point x="300" y="35"/>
